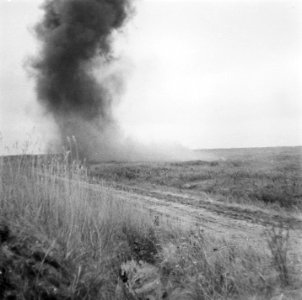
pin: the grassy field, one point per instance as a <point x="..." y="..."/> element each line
<point x="59" y="239"/>
<point x="260" y="176"/>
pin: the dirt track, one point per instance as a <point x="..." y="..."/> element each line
<point x="204" y="203"/>
<point x="231" y="222"/>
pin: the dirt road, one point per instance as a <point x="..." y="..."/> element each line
<point x="228" y="221"/>
<point x="232" y="222"/>
<point x="204" y="203"/>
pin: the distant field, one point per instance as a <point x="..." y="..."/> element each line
<point x="258" y="176"/>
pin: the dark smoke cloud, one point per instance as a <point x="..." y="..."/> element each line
<point x="73" y="33"/>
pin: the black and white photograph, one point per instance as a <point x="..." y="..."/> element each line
<point x="150" y="149"/>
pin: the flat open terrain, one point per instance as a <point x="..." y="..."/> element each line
<point x="237" y="195"/>
<point x="262" y="177"/>
<point x="257" y="185"/>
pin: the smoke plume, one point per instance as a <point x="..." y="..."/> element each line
<point x="73" y="33"/>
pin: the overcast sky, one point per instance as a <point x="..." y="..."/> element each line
<point x="206" y="74"/>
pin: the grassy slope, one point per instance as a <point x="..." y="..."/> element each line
<point x="59" y="229"/>
<point x="260" y="176"/>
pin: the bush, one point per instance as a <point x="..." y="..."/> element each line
<point x="143" y="244"/>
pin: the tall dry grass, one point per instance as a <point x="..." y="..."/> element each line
<point x="92" y="234"/>
<point x="48" y="198"/>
